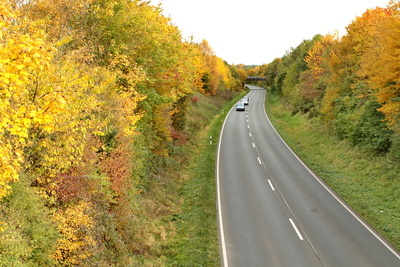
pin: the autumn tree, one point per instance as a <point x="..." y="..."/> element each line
<point x="45" y="119"/>
<point x="381" y="65"/>
<point x="290" y="69"/>
<point x="312" y="81"/>
<point x="210" y="76"/>
<point x="59" y="104"/>
<point x="94" y="98"/>
<point x="216" y="72"/>
<point x="24" y="56"/>
<point x="343" y="79"/>
<point x="354" y="86"/>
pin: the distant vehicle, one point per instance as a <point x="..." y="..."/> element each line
<point x="240" y="106"/>
<point x="245" y="100"/>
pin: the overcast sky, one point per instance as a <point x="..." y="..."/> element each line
<point x="254" y="32"/>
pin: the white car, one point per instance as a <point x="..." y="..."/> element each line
<point x="240" y="106"/>
<point x="245" y="100"/>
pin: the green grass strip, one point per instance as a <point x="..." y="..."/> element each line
<point x="197" y="241"/>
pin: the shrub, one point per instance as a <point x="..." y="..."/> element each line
<point x="30" y="236"/>
<point x="371" y="130"/>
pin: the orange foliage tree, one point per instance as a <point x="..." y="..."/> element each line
<point x="344" y="60"/>
<point x="381" y="64"/>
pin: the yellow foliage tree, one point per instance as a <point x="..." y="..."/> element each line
<point x="24" y="55"/>
<point x="70" y="76"/>
<point x="224" y="73"/>
<point x="59" y="16"/>
<point x="77" y="244"/>
<point x="210" y="75"/>
<point x="311" y="81"/>
<point x="216" y="73"/>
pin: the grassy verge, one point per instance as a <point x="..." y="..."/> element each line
<point x="196" y="242"/>
<point x="369" y="183"/>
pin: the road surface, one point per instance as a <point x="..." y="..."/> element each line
<point x="273" y="211"/>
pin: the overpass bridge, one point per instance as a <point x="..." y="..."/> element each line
<point x="255" y="78"/>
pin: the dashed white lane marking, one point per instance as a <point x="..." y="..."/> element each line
<point x="259" y="160"/>
<point x="271" y="185"/>
<point x="295" y="228"/>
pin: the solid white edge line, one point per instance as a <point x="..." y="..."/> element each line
<point x="369" y="228"/>
<point x="220" y="220"/>
<point x="297" y="230"/>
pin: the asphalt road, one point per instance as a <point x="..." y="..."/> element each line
<point x="273" y="211"/>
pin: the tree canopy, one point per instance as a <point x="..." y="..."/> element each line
<point x="94" y="94"/>
<point x="341" y="79"/>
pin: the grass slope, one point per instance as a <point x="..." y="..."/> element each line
<point x="196" y="242"/>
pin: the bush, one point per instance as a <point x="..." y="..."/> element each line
<point x="371" y="130"/>
<point x="30" y="237"/>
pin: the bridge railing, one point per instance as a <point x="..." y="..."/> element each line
<point x="255" y="78"/>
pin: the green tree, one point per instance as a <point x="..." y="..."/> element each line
<point x="293" y="65"/>
<point x="371" y="130"/>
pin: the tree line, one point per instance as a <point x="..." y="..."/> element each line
<point x="351" y="82"/>
<point x="93" y="102"/>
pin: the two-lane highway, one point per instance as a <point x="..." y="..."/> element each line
<point x="273" y="211"/>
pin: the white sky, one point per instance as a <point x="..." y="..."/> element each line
<point x="254" y="32"/>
